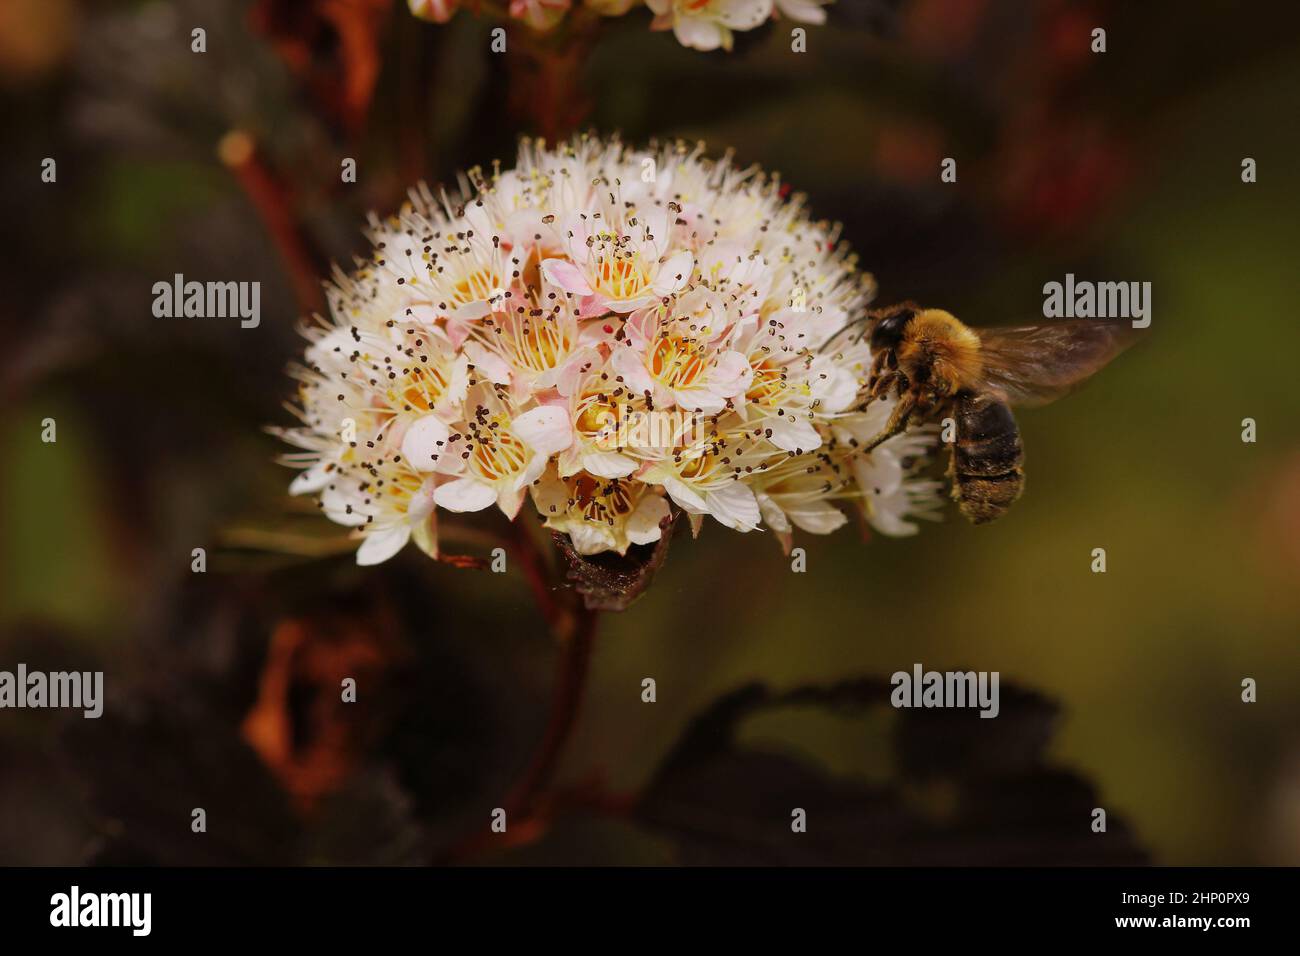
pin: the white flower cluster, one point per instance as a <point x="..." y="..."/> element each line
<point x="699" y="24"/>
<point x="607" y="330"/>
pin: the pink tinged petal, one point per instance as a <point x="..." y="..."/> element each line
<point x="792" y="433"/>
<point x="594" y="306"/>
<point x="598" y="333"/>
<point x="491" y="365"/>
<point x="546" y="430"/>
<point x="424" y="442"/>
<point x="734" y="505"/>
<point x="568" y="375"/>
<point x="567" y="276"/>
<point x="731" y="374"/>
<point x="697" y="523"/>
<point x="674" y="274"/>
<point x="465" y="494"/>
<point x="379" y="546"/>
<point x="457" y="331"/>
<point x="608" y="464"/>
<point x="641" y="327"/>
<point x="628" y="362"/>
<point x="624" y="306"/>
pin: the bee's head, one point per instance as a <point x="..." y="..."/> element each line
<point x="889" y="328"/>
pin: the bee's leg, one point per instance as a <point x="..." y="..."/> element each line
<point x="897" y="421"/>
<point x="873" y="378"/>
<point x="950" y="473"/>
<point x="880" y="387"/>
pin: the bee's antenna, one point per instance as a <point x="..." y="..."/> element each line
<point x="861" y="324"/>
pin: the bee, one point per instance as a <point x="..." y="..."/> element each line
<point x="937" y="366"/>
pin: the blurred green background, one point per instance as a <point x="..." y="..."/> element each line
<point x="1121" y="166"/>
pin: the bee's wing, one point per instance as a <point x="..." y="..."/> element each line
<point x="1036" y="364"/>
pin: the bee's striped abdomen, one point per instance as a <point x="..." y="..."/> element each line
<point x="987" y="458"/>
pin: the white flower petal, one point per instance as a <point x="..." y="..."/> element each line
<point x="734" y="505"/>
<point x="379" y="546"/>
<point x="684" y="495"/>
<point x="643" y="523"/>
<point x="424" y="442"/>
<point x="816" y="516"/>
<point x="608" y="464"/>
<point x="492" y="366"/>
<point x="465" y="494"/>
<point x="731" y="374"/>
<point x="699" y="33"/>
<point x="743" y="14"/>
<point x="792" y="433"/>
<point x="674" y="273"/>
<point x="545" y="429"/>
<point x="772" y="514"/>
<point x="312" y="480"/>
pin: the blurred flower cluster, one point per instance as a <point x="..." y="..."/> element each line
<point x="699" y="24"/>
<point x="609" y="329"/>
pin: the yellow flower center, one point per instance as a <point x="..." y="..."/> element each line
<point x="677" y="362"/>
<point x="477" y="286"/>
<point x="602" y="501"/>
<point x="497" y="453"/>
<point x="423" y="387"/>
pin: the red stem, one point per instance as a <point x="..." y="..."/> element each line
<point x="566" y="700"/>
<point x="573" y="625"/>
<point x="270" y="197"/>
